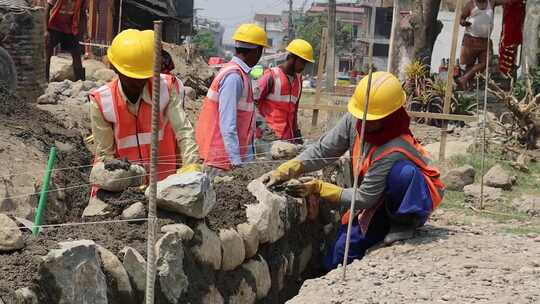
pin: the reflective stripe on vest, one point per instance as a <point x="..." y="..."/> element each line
<point x="208" y="133"/>
<point x="279" y="108"/>
<point x="408" y="146"/>
<point x="132" y="133"/>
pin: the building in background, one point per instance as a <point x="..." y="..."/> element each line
<point x="276" y="28"/>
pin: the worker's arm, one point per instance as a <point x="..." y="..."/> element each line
<point x="465" y="14"/>
<point x="373" y="184"/>
<point x="103" y="133"/>
<point x="183" y="129"/>
<point x="230" y="93"/>
<point x="330" y="147"/>
<point x="265" y="85"/>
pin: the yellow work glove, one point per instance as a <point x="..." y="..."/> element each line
<point x="327" y="191"/>
<point x="288" y="170"/>
<point x="189" y="169"/>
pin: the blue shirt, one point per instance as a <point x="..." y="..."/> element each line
<point x="230" y="92"/>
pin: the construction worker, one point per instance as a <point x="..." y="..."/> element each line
<point x="226" y="127"/>
<point x="477" y="18"/>
<point x="398" y="189"/>
<point x="120" y="111"/>
<point x="280" y="89"/>
<point x="65" y="26"/>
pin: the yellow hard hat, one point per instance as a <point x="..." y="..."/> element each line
<point x="132" y="53"/>
<point x="386" y="96"/>
<point x="251" y="33"/>
<point x="302" y="49"/>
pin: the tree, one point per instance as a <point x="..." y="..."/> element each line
<point x="205" y="42"/>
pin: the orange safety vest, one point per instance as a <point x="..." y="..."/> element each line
<point x="65" y="16"/>
<point x="208" y="133"/>
<point x="280" y="107"/>
<point x="132" y="133"/>
<point x="415" y="153"/>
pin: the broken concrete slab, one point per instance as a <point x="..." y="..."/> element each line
<point x="259" y="270"/>
<point x="266" y="214"/>
<point x="185" y="232"/>
<point x="170" y="276"/>
<point x="208" y="249"/>
<point x="456" y="179"/>
<point x="119" y="288"/>
<point x="232" y="249"/>
<point x="250" y="236"/>
<point x="11" y="237"/>
<point x="191" y="194"/>
<point x="72" y="274"/>
<point x="498" y="177"/>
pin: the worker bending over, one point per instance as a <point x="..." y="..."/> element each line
<point x="226" y="127"/>
<point x="280" y="90"/>
<point x="477" y="18"/>
<point x="398" y="188"/>
<point x="121" y="110"/>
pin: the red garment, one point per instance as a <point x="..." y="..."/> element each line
<point x="512" y="35"/>
<point x="65" y="16"/>
<point x="395" y="125"/>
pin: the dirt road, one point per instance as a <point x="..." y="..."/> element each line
<point x="444" y="264"/>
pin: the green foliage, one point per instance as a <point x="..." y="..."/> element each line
<point x="520" y="87"/>
<point x="205" y="42"/>
<point x="463" y="104"/>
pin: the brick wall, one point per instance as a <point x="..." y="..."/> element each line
<point x="23" y="37"/>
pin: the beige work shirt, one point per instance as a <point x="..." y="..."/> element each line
<point x="182" y="127"/>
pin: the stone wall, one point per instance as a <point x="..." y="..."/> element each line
<point x="22" y="35"/>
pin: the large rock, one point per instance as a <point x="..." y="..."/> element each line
<point x="61" y="69"/>
<point x="135" y="211"/>
<point x="283" y="150"/>
<point x="266" y="214"/>
<point x="135" y="266"/>
<point x="116" y="180"/>
<point x="105" y="75"/>
<point x="453" y="148"/>
<point x="191" y="194"/>
<point x="96" y="207"/>
<point x="119" y="287"/>
<point x="458" y="178"/>
<point x="244" y="294"/>
<point x="170" y="276"/>
<point x="492" y="196"/>
<point x="529" y="204"/>
<point x="10" y="236"/>
<point x="250" y="236"/>
<point x="208" y="248"/>
<point x="72" y="274"/>
<point x="259" y="270"/>
<point x="185" y="232"/>
<point x="232" y="249"/>
<point x="25" y="296"/>
<point x="498" y="177"/>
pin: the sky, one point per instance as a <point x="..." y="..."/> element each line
<point x="232" y="13"/>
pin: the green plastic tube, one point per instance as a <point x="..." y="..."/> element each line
<point x="44" y="192"/>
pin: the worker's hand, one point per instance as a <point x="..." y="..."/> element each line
<point x="287" y="171"/>
<point x="465" y="23"/>
<point x="327" y="191"/>
<point x="189" y="169"/>
<point x="115" y="163"/>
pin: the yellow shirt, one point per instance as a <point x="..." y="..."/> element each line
<point x="182" y="127"/>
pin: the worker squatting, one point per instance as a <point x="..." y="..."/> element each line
<point x="399" y="188"/>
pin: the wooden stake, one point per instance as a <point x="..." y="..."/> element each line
<point x="450" y="80"/>
<point x="320" y="72"/>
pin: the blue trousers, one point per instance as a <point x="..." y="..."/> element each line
<point x="407" y="200"/>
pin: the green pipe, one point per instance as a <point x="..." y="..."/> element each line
<point x="44" y="192"/>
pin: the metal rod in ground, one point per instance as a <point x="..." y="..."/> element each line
<point x="44" y="192"/>
<point x="360" y="158"/>
<point x="152" y="219"/>
<point x="484" y="123"/>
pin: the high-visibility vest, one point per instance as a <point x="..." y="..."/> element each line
<point x="133" y="133"/>
<point x="65" y="16"/>
<point x="408" y="146"/>
<point x="208" y="133"/>
<point x="280" y="107"/>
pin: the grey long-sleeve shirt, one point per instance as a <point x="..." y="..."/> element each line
<point x="337" y="142"/>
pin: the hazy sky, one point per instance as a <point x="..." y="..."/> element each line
<point x="232" y="13"/>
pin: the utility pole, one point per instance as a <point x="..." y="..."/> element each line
<point x="331" y="52"/>
<point x="291" y="28"/>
